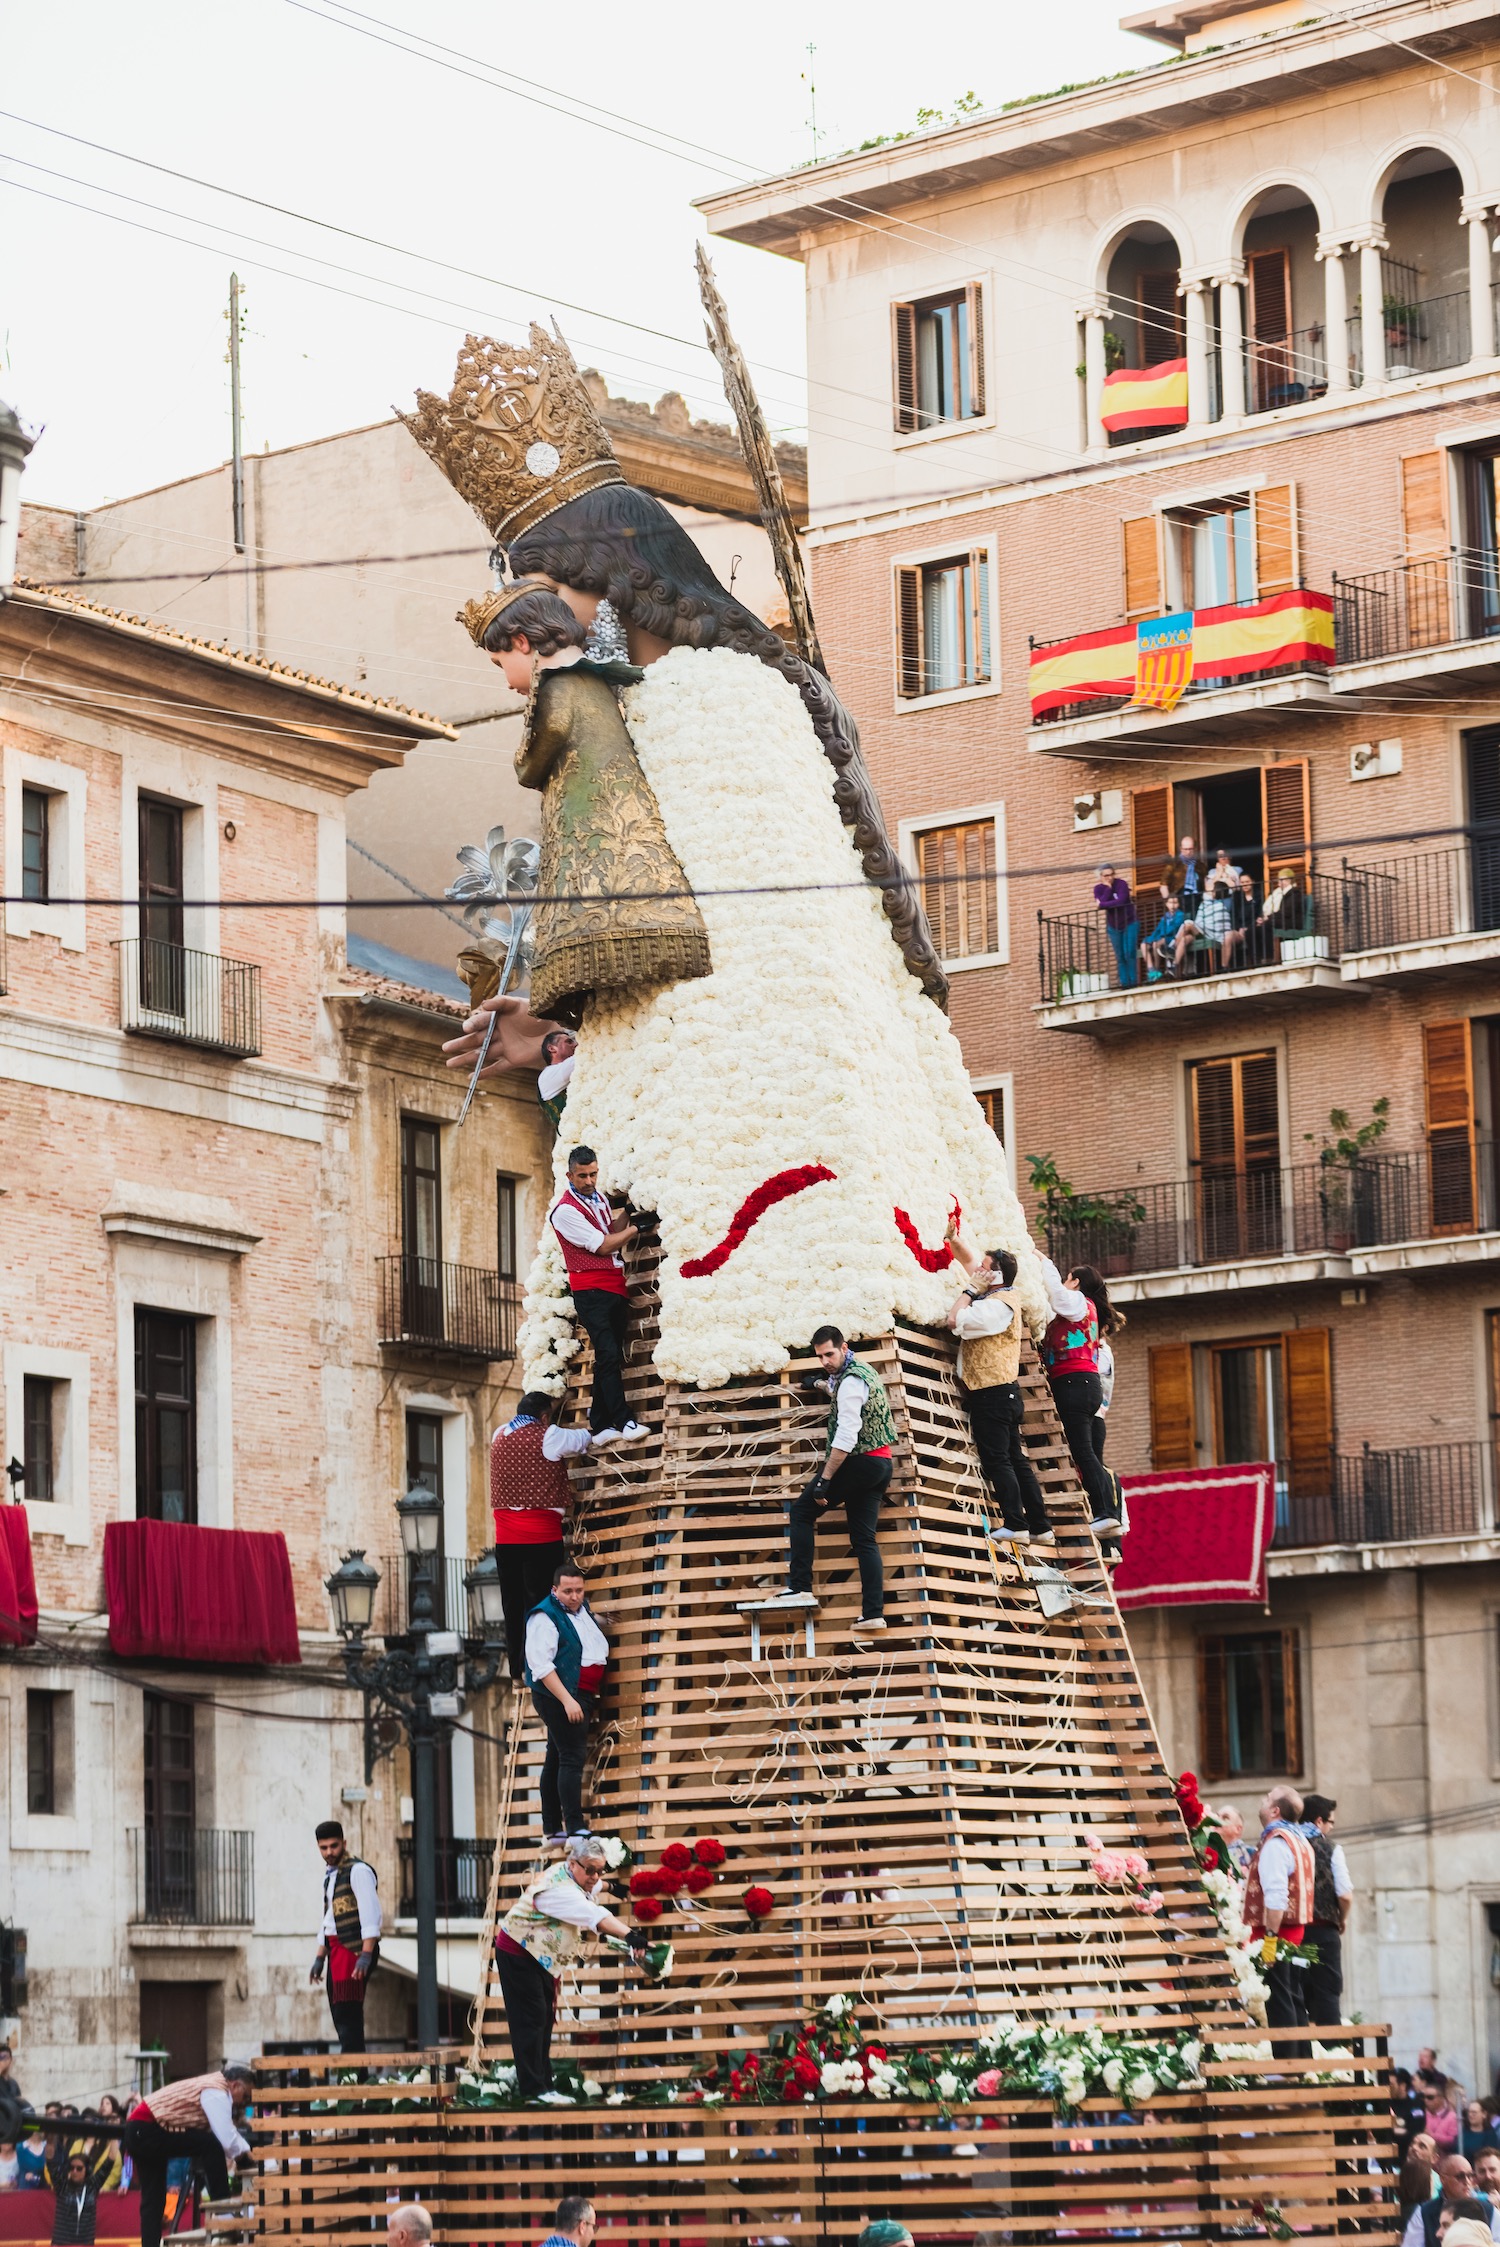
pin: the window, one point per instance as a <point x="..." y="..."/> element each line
<point x="171" y="1807"/>
<point x="1236" y="1161"/>
<point x="41" y="1410"/>
<point x="1211" y="554"/>
<point x="506" y="1249"/>
<point x="1249" y="1704"/>
<point x="1159" y="315"/>
<point x="36" y="845"/>
<point x="938" y="353"/>
<point x="992" y="1101"/>
<point x="424" y="1452"/>
<point x="163" y="969"/>
<point x="166" y="1438"/>
<point x="960" y="894"/>
<point x="49" y="1754"/>
<point x="422" y="1228"/>
<point x="944" y="624"/>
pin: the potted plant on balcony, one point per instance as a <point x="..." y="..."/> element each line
<point x="1097" y="1229"/>
<point x="1345" y="1182"/>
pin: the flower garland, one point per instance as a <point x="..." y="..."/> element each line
<point x="683" y="1869"/>
<point x="1125" y="1869"/>
<point x="808" y="1046"/>
<point x="751" y="1210"/>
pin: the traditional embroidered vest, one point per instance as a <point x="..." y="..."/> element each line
<point x="553" y="1943"/>
<point x="1299" y="1894"/>
<point x="585" y="1268"/>
<point x="553" y="1108"/>
<point x="985" y="1361"/>
<point x="1072" y="1345"/>
<point x="521" y="1478"/>
<point x="1325" y="1895"/>
<point x="179" y="2106"/>
<point x="346" y="1904"/>
<point x="569" y="1645"/>
<point x="877" y="1430"/>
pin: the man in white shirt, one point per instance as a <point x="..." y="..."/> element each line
<point x="559" y="1052"/>
<point x="566" y="1657"/>
<point x="544" y="1931"/>
<point x="349" y="1943"/>
<point x="591" y="1238"/>
<point x="196" y="2117"/>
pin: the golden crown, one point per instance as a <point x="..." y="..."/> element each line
<point x="477" y="616"/>
<point x="517" y="436"/>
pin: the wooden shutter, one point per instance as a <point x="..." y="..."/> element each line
<point x="1448" y="1073"/>
<point x="1307" y="1404"/>
<point x="1291" y="1698"/>
<point x="1270" y="296"/>
<point x="1286" y="816"/>
<point x="1215" y="1138"/>
<point x="1424" y="503"/>
<point x="1159" y="312"/>
<point x="1259" y="1117"/>
<point x="1276" y="557"/>
<point x="1213" y="1745"/>
<point x="957" y="867"/>
<point x="1150" y="836"/>
<point x="1173" y="1432"/>
<point x="910" y="655"/>
<point x="1142" y="565"/>
<point x="904" y="365"/>
<point x="977" y="655"/>
<point x="974" y="301"/>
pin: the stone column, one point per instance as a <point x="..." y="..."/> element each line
<point x="1335" y="311"/>
<point x="1196" y="324"/>
<point x="1372" y="308"/>
<point x="1093" y="315"/>
<point x="1476" y="217"/>
<point x="1232" y="343"/>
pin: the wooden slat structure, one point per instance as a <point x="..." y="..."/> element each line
<point x="1234" y="2160"/>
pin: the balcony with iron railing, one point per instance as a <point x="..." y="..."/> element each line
<point x="190" y="998"/>
<point x="191" y="1876"/>
<point x="450" y="1601"/>
<point x="455" y="1310"/>
<point x="1415" y="608"/>
<point x="1428" y="912"/>
<point x="1422" y="334"/>
<point x="1396" y="1497"/>
<point x="1296" y="1221"/>
<point x="463" y="1877"/>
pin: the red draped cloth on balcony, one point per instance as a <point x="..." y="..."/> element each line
<point x="17" y="1580"/>
<point x="1199" y="1535"/>
<point x="199" y="1595"/>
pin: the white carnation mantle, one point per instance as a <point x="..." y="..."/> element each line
<point x="809" y="1043"/>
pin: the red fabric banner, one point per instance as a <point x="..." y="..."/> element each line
<point x="17" y="1579"/>
<point x="1198" y="1536"/>
<point x="199" y="1595"/>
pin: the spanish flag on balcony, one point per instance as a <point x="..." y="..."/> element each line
<point x="1146" y="397"/>
<point x="1290" y="631"/>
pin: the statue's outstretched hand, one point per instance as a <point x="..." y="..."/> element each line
<point x="462" y="1052"/>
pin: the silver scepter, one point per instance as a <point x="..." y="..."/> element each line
<point x="497" y="891"/>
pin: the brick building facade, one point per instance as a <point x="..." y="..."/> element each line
<point x="1280" y="242"/>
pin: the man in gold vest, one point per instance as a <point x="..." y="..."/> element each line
<point x="987" y="1320"/>
<point x="195" y="2117"/>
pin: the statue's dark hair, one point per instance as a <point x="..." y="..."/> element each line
<point x="545" y="618"/>
<point x="622" y="543"/>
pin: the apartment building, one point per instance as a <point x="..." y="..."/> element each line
<point x="255" y="1285"/>
<point x="1214" y="343"/>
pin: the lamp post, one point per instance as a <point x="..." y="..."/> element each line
<point x="422" y="1677"/>
<point x="14" y="446"/>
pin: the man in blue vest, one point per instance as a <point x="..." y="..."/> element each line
<point x="566" y="1657"/>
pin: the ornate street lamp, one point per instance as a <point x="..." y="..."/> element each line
<point x="422" y="1678"/>
<point x="14" y="446"/>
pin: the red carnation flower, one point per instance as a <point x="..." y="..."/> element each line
<point x="676" y="1857"/>
<point x="643" y="1882"/>
<point x="648" y="1908"/>
<point x="759" y="1902"/>
<point x="708" y="1851"/>
<point x="806" y="2073"/>
<point x="1210" y="1859"/>
<point x="696" y="1879"/>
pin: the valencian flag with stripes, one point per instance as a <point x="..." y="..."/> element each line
<point x="1163" y="660"/>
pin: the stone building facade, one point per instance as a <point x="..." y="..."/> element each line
<point x="254" y="1280"/>
<point x="1280" y="244"/>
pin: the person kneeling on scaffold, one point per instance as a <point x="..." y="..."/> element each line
<point x="855" y="1474"/>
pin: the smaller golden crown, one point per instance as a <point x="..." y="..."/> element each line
<point x="477" y="616"/>
<point x="517" y="436"/>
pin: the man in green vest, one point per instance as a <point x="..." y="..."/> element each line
<point x="855" y="1474"/>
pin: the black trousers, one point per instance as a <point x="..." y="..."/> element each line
<point x="995" y="1416"/>
<point x="562" y="1765"/>
<point x="603" y="1319"/>
<point x="150" y="2148"/>
<point x="1323" y="1983"/>
<point x="1078" y="1397"/>
<point x="526" y="1573"/>
<point x="858" y="1487"/>
<point x="348" y="2022"/>
<point x="1286" y="2004"/>
<point x="529" y="1995"/>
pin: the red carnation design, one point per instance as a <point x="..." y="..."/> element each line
<point x="931" y="1259"/>
<point x="759" y="1902"/>
<point x="806" y="2073"/>
<point x="696" y="1879"/>
<point x="1210" y="1859"/>
<point x="750" y="1212"/>
<point x="648" y="1908"/>
<point x="708" y="1851"/>
<point x="643" y="1881"/>
<point x="676" y="1857"/>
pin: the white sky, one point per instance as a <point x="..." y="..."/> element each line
<point x="115" y="338"/>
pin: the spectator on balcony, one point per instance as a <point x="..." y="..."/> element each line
<point x="1184" y="874"/>
<point x="349" y="1944"/>
<point x="1244" y="922"/>
<point x="1224" y="869"/>
<point x="591" y="1237"/>
<point x="1216" y="919"/>
<point x="1122" y="924"/>
<point x="559" y="1052"/>
<point x="1285" y="909"/>
<point x="986" y="1319"/>
<point x="1164" y="948"/>
<point x="566" y="1657"/>
<point x="1082" y="1314"/>
<point x="529" y="1494"/>
<point x="1333" y="1896"/>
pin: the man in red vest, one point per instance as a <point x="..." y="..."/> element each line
<point x="529" y="1493"/>
<point x="591" y="1237"/>
<point x="1278" y="1906"/>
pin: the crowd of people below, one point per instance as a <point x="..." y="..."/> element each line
<point x="1202" y="920"/>
<point x="1448" y="2146"/>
